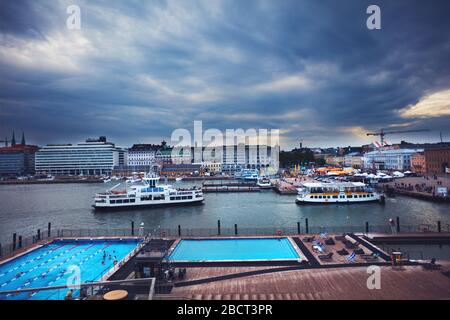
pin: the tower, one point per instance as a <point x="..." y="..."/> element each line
<point x="23" y="139"/>
<point x="13" y="140"/>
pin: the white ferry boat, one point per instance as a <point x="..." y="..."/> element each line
<point x="147" y="194"/>
<point x="264" y="183"/>
<point x="250" y="174"/>
<point x="338" y="192"/>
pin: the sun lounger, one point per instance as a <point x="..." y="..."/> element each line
<point x="339" y="238"/>
<point x="327" y="256"/>
<point x="309" y="239"/>
<point x="329" y="242"/>
<point x="359" y="251"/>
<point x="351" y="245"/>
<point x="369" y="257"/>
<point x="342" y="252"/>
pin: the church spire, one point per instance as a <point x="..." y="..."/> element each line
<point x="13" y="140"/>
<point x="23" y="139"/>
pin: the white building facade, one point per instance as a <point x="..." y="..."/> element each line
<point x="93" y="157"/>
<point x="142" y="155"/>
<point x="394" y="159"/>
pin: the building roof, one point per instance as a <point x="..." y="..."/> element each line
<point x="333" y="185"/>
<point x="19" y="148"/>
<point x="394" y="151"/>
<point x="144" y="147"/>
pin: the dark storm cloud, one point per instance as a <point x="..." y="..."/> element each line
<point x="137" y="70"/>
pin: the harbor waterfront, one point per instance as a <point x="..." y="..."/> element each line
<point x="26" y="208"/>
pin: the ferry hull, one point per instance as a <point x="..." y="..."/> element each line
<point x="308" y="202"/>
<point x="146" y="206"/>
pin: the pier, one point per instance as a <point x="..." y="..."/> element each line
<point x="284" y="187"/>
<point x="230" y="186"/>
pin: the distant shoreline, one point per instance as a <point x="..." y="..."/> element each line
<point x="93" y="180"/>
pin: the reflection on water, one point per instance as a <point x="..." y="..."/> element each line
<point x="24" y="208"/>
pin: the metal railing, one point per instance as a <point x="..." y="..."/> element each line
<point x="97" y="288"/>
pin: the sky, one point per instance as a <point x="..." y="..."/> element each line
<point x="137" y="70"/>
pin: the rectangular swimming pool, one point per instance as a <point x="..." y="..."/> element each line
<point x="59" y="261"/>
<point x="242" y="249"/>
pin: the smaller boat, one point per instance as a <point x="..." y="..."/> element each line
<point x="106" y="180"/>
<point x="264" y="183"/>
<point x="178" y="179"/>
<point x="250" y="174"/>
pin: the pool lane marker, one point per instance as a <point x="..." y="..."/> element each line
<point x="47" y="261"/>
<point x="53" y="258"/>
<point x="31" y="260"/>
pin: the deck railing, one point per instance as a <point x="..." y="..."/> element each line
<point x="97" y="288"/>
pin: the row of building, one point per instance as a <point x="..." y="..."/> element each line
<point x="96" y="157"/>
<point x="434" y="159"/>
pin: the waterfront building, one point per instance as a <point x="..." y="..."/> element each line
<point x="142" y="154"/>
<point x="245" y="156"/>
<point x="418" y="163"/>
<point x="93" y="157"/>
<point x="212" y="167"/>
<point x="437" y="160"/>
<point x="353" y="160"/>
<point x="123" y="156"/>
<point x="17" y="159"/>
<point x="393" y="159"/>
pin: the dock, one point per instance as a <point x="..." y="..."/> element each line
<point x="230" y="186"/>
<point x="284" y="188"/>
<point x="231" y="189"/>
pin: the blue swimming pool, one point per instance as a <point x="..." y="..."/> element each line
<point x="53" y="264"/>
<point x="241" y="249"/>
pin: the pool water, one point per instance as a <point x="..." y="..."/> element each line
<point x="56" y="263"/>
<point x="234" y="249"/>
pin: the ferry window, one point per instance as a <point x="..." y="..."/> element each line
<point x="320" y="197"/>
<point x="126" y="201"/>
<point x="112" y="201"/>
<point x="172" y="198"/>
<point x="189" y="197"/>
<point x="119" y="201"/>
<point x="335" y="197"/>
<point x="350" y="196"/>
<point x="132" y="200"/>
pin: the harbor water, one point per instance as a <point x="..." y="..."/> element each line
<point x="25" y="208"/>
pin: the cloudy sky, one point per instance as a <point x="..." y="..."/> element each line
<point x="137" y="70"/>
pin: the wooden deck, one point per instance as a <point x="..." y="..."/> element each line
<point x="336" y="258"/>
<point x="409" y="282"/>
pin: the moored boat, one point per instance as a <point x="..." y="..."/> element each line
<point x="264" y="183"/>
<point x="147" y="194"/>
<point x="337" y="193"/>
